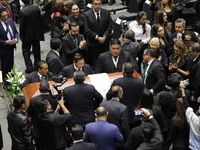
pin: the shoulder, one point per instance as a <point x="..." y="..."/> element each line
<point x="105" y="54"/>
<point x="68" y="68"/>
<point x="88" y="12"/>
<point x="32" y="74"/>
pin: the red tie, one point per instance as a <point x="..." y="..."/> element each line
<point x="8" y="11"/>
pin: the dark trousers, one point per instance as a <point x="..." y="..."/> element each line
<point x="7" y="61"/>
<point x="26" y="46"/>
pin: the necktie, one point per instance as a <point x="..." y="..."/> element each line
<point x="76" y="42"/>
<point x="143" y="75"/>
<point x="8" y="11"/>
<point x="42" y="78"/>
<point x="98" y="18"/>
<point x="8" y="29"/>
<point x="115" y="59"/>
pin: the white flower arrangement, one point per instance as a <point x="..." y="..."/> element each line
<point x="15" y="79"/>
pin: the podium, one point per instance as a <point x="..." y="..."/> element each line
<point x="32" y="89"/>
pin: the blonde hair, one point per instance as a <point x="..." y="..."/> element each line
<point x="183" y="48"/>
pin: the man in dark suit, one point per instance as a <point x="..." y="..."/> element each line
<point x="98" y="27"/>
<point x="8" y="40"/>
<point x="77" y="136"/>
<point x="118" y="113"/>
<point x="78" y="64"/>
<point x="132" y="88"/>
<point x="52" y="125"/>
<point x="151" y="133"/>
<point x="41" y="74"/>
<point x="195" y="74"/>
<point x="33" y="111"/>
<point x="72" y="43"/>
<point x="5" y="4"/>
<point x="53" y="59"/>
<point x="112" y="61"/>
<point x="101" y="133"/>
<point x="19" y="126"/>
<point x="81" y="100"/>
<point x="154" y="72"/>
<point x="180" y="25"/>
<point x="30" y="33"/>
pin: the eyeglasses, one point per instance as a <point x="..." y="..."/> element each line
<point x="187" y="40"/>
<point x="97" y="4"/>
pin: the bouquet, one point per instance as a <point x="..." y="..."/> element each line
<point x="15" y="79"/>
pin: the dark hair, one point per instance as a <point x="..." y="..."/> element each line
<point x="72" y="24"/>
<point x="96" y="0"/>
<point x="174" y="80"/>
<point x="18" y="101"/>
<point x="40" y="63"/>
<point x="159" y="19"/>
<point x="55" y="43"/>
<point x="128" y="68"/>
<point x="101" y="111"/>
<point x="2" y="10"/>
<point x="58" y="6"/>
<point x="64" y="19"/>
<point x="140" y="15"/>
<point x="146" y="99"/>
<point x="69" y="3"/>
<point x="195" y="47"/>
<point x="77" y="132"/>
<point x="115" y="41"/>
<point x="41" y="105"/>
<point x="170" y="4"/>
<point x="79" y="76"/>
<point x="147" y="130"/>
<point x="78" y="57"/>
<point x="116" y="90"/>
<point x="44" y="86"/>
<point x="154" y="30"/>
<point x="130" y="34"/>
<point x="192" y="35"/>
<point x="151" y="51"/>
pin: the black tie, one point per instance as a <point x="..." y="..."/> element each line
<point x="76" y="42"/>
<point x="98" y="18"/>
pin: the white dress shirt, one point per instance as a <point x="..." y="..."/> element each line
<point x="4" y="27"/>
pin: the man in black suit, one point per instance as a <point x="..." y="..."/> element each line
<point x="53" y="59"/>
<point x="112" y="61"/>
<point x="98" y="27"/>
<point x="41" y="74"/>
<point x="154" y="72"/>
<point x="118" y="113"/>
<point x="195" y="73"/>
<point x="81" y="100"/>
<point x="30" y="33"/>
<point x="52" y="125"/>
<point x="132" y="88"/>
<point x="180" y="25"/>
<point x="79" y="144"/>
<point x="72" y="43"/>
<point x="33" y="111"/>
<point x="78" y="64"/>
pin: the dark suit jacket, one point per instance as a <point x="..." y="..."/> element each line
<point x="54" y="62"/>
<point x="157" y="142"/>
<point x="68" y="71"/>
<point x="82" y="100"/>
<point x="30" y="25"/>
<point x="105" y="62"/>
<point x="103" y="134"/>
<point x="92" y="28"/>
<point x="132" y="88"/>
<point x="118" y="115"/>
<point x="33" y="77"/>
<point x="34" y="112"/>
<point x="82" y="145"/>
<point x="4" y="38"/>
<point x="69" y="48"/>
<point x="156" y="77"/>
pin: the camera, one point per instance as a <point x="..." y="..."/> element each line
<point x="186" y="82"/>
<point x="124" y="27"/>
<point x="58" y="79"/>
<point x="138" y="112"/>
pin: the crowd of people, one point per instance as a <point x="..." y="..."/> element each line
<point x="156" y="111"/>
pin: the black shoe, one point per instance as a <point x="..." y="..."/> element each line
<point x="111" y="2"/>
<point x="28" y="71"/>
<point x="124" y="3"/>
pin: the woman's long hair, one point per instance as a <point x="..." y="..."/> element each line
<point x="159" y="19"/>
<point x="183" y="48"/>
<point x="58" y="6"/>
<point x="154" y="31"/>
<point x="146" y="99"/>
<point x="180" y="114"/>
<point x="140" y="15"/>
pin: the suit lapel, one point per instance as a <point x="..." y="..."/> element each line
<point x="3" y="31"/>
<point x="94" y="17"/>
